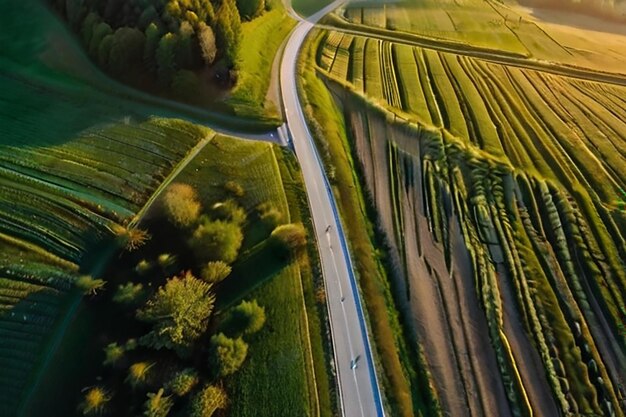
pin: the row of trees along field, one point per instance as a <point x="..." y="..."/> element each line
<point x="172" y="41"/>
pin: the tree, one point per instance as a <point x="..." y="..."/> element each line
<point x="128" y="293"/>
<point x="166" y="58"/>
<point x="181" y="205"/>
<point x="290" y="239"/>
<point x="100" y="30"/>
<point x="229" y="211"/>
<point x="166" y="260"/>
<point x="186" y="52"/>
<point x="248" y="317"/>
<point x="153" y="36"/>
<point x="127" y="51"/>
<point x="179" y="312"/>
<point x="206" y="39"/>
<point x="248" y="9"/>
<point x="94" y="402"/>
<point x="130" y="238"/>
<point x="270" y="215"/>
<point x="215" y="271"/>
<point x="206" y="402"/>
<point x="88" y="284"/>
<point x="113" y="353"/>
<point x="227" y="355"/>
<point x="228" y="30"/>
<point x="183" y="382"/>
<point x="89" y="23"/>
<point x="138" y="373"/>
<point x="216" y="241"/>
<point x="157" y="405"/>
<point x="104" y="50"/>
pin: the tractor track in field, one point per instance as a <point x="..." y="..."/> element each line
<point x="489" y="55"/>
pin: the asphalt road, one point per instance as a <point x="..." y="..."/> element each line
<point x="356" y="375"/>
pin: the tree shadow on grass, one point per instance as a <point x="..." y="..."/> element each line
<point x="259" y="265"/>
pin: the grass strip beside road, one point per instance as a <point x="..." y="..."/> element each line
<point x="262" y="38"/>
<point x="328" y="127"/>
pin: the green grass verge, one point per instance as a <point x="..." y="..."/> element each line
<point x="394" y="355"/>
<point x="262" y="39"/>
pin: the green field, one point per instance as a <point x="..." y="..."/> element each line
<point x="502" y="28"/>
<point x="262" y="38"/>
<point x="507" y="180"/>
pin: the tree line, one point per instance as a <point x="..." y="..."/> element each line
<point x="170" y="40"/>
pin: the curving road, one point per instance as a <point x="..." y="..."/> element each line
<point x="356" y="375"/>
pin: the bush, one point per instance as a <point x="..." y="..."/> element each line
<point x="128" y="293"/>
<point x="88" y="284"/>
<point x="183" y="382"/>
<point x="138" y="374"/>
<point x="215" y="271"/>
<point x="143" y="267"/>
<point x="94" y="401"/>
<point x="208" y="401"/>
<point x="113" y="353"/>
<point x="227" y="355"/>
<point x="181" y="205"/>
<point x="216" y="241"/>
<point x="248" y="317"/>
<point x="229" y="211"/>
<point x="157" y="405"/>
<point x="270" y="215"/>
<point x="290" y="239"/>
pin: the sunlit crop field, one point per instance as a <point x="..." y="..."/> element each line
<point x="502" y="185"/>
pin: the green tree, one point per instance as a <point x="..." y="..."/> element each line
<point x="206" y="402"/>
<point x="206" y="40"/>
<point x="94" y="402"/>
<point x="138" y="374"/>
<point x="157" y="405"/>
<point x="228" y="31"/>
<point x="128" y="293"/>
<point x="183" y="382"/>
<point x="113" y="353"/>
<point x="215" y="271"/>
<point x="290" y="239"/>
<point x="89" y="23"/>
<point x="179" y="312"/>
<point x="248" y="317"/>
<point x="148" y="16"/>
<point x="153" y="36"/>
<point x="166" y="58"/>
<point x="181" y="205"/>
<point x="88" y="284"/>
<point x="186" y="52"/>
<point x="216" y="241"/>
<point x="269" y="215"/>
<point x="227" y="355"/>
<point x="127" y="51"/>
<point x="104" y="51"/>
<point x="248" y="9"/>
<point x="229" y="211"/>
<point x="100" y="30"/>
